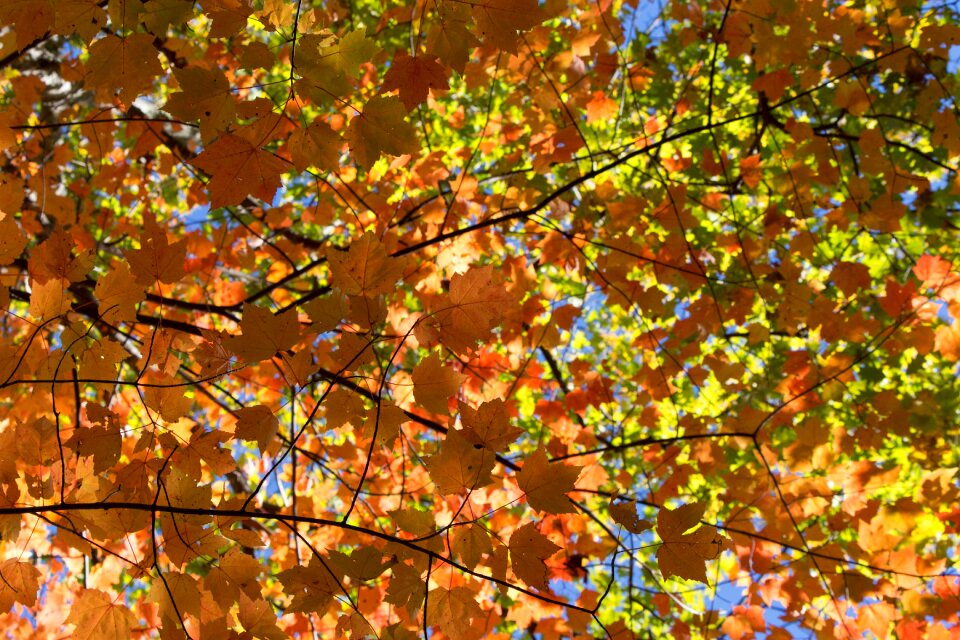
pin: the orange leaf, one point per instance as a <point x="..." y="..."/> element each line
<point x="685" y="554"/>
<point x="237" y="169"/>
<point x="96" y="616"/>
<point x="472" y="309"/>
<point x="415" y="77"/>
<point x="257" y="423"/>
<point x="263" y="334"/>
<point x="18" y="583"/>
<point x="316" y="145"/>
<point x="406" y="587"/>
<point x="489" y="425"/>
<point x="625" y="514"/>
<point x="258" y="619"/>
<point x="750" y="171"/>
<point x="365" y="268"/>
<point x="453" y="610"/>
<point x="123" y="66"/>
<point x="205" y="96"/>
<point x="459" y="466"/>
<point x="157" y="259"/>
<point x="381" y="128"/>
<point x="528" y="550"/>
<point x="119" y="294"/>
<point x="433" y="384"/>
<point x="12" y="240"/>
<point x="498" y="21"/>
<point x="546" y="484"/>
<point x="850" y="277"/>
<point x="470" y="542"/>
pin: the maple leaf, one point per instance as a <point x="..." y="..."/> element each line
<point x="452" y="610"/>
<point x="406" y="587"/>
<point x="257" y="618"/>
<point x="313" y="586"/>
<point x="459" y="466"/>
<point x="365" y="268"/>
<point x="471" y="542"/>
<point x="433" y="384"/>
<point x="685" y="554"/>
<point x="489" y="425"/>
<point x="156" y="260"/>
<point x="449" y="39"/>
<point x="119" y="292"/>
<point x="49" y="300"/>
<point x="238" y="169"/>
<point x="165" y="396"/>
<point x="263" y="334"/>
<point x="96" y="615"/>
<point x="625" y="514"/>
<point x="528" y="550"/>
<point x="18" y="583"/>
<point x="365" y="563"/>
<point x="380" y="128"/>
<point x="415" y="77"/>
<point x="125" y="67"/>
<point x="257" y="423"/>
<point x="750" y="171"/>
<point x="499" y="21"/>
<point x="55" y="259"/>
<point x="12" y="240"/>
<point x="546" y="484"/>
<point x="159" y="15"/>
<point x="30" y="19"/>
<point x="205" y="96"/>
<point x="350" y="51"/>
<point x="469" y="312"/>
<point x="315" y="145"/>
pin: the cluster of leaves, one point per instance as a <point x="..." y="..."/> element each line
<point x="473" y="317"/>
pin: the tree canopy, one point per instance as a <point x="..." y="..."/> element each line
<point x="479" y="318"/>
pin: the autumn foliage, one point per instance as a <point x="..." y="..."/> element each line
<point x="479" y="319"/>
